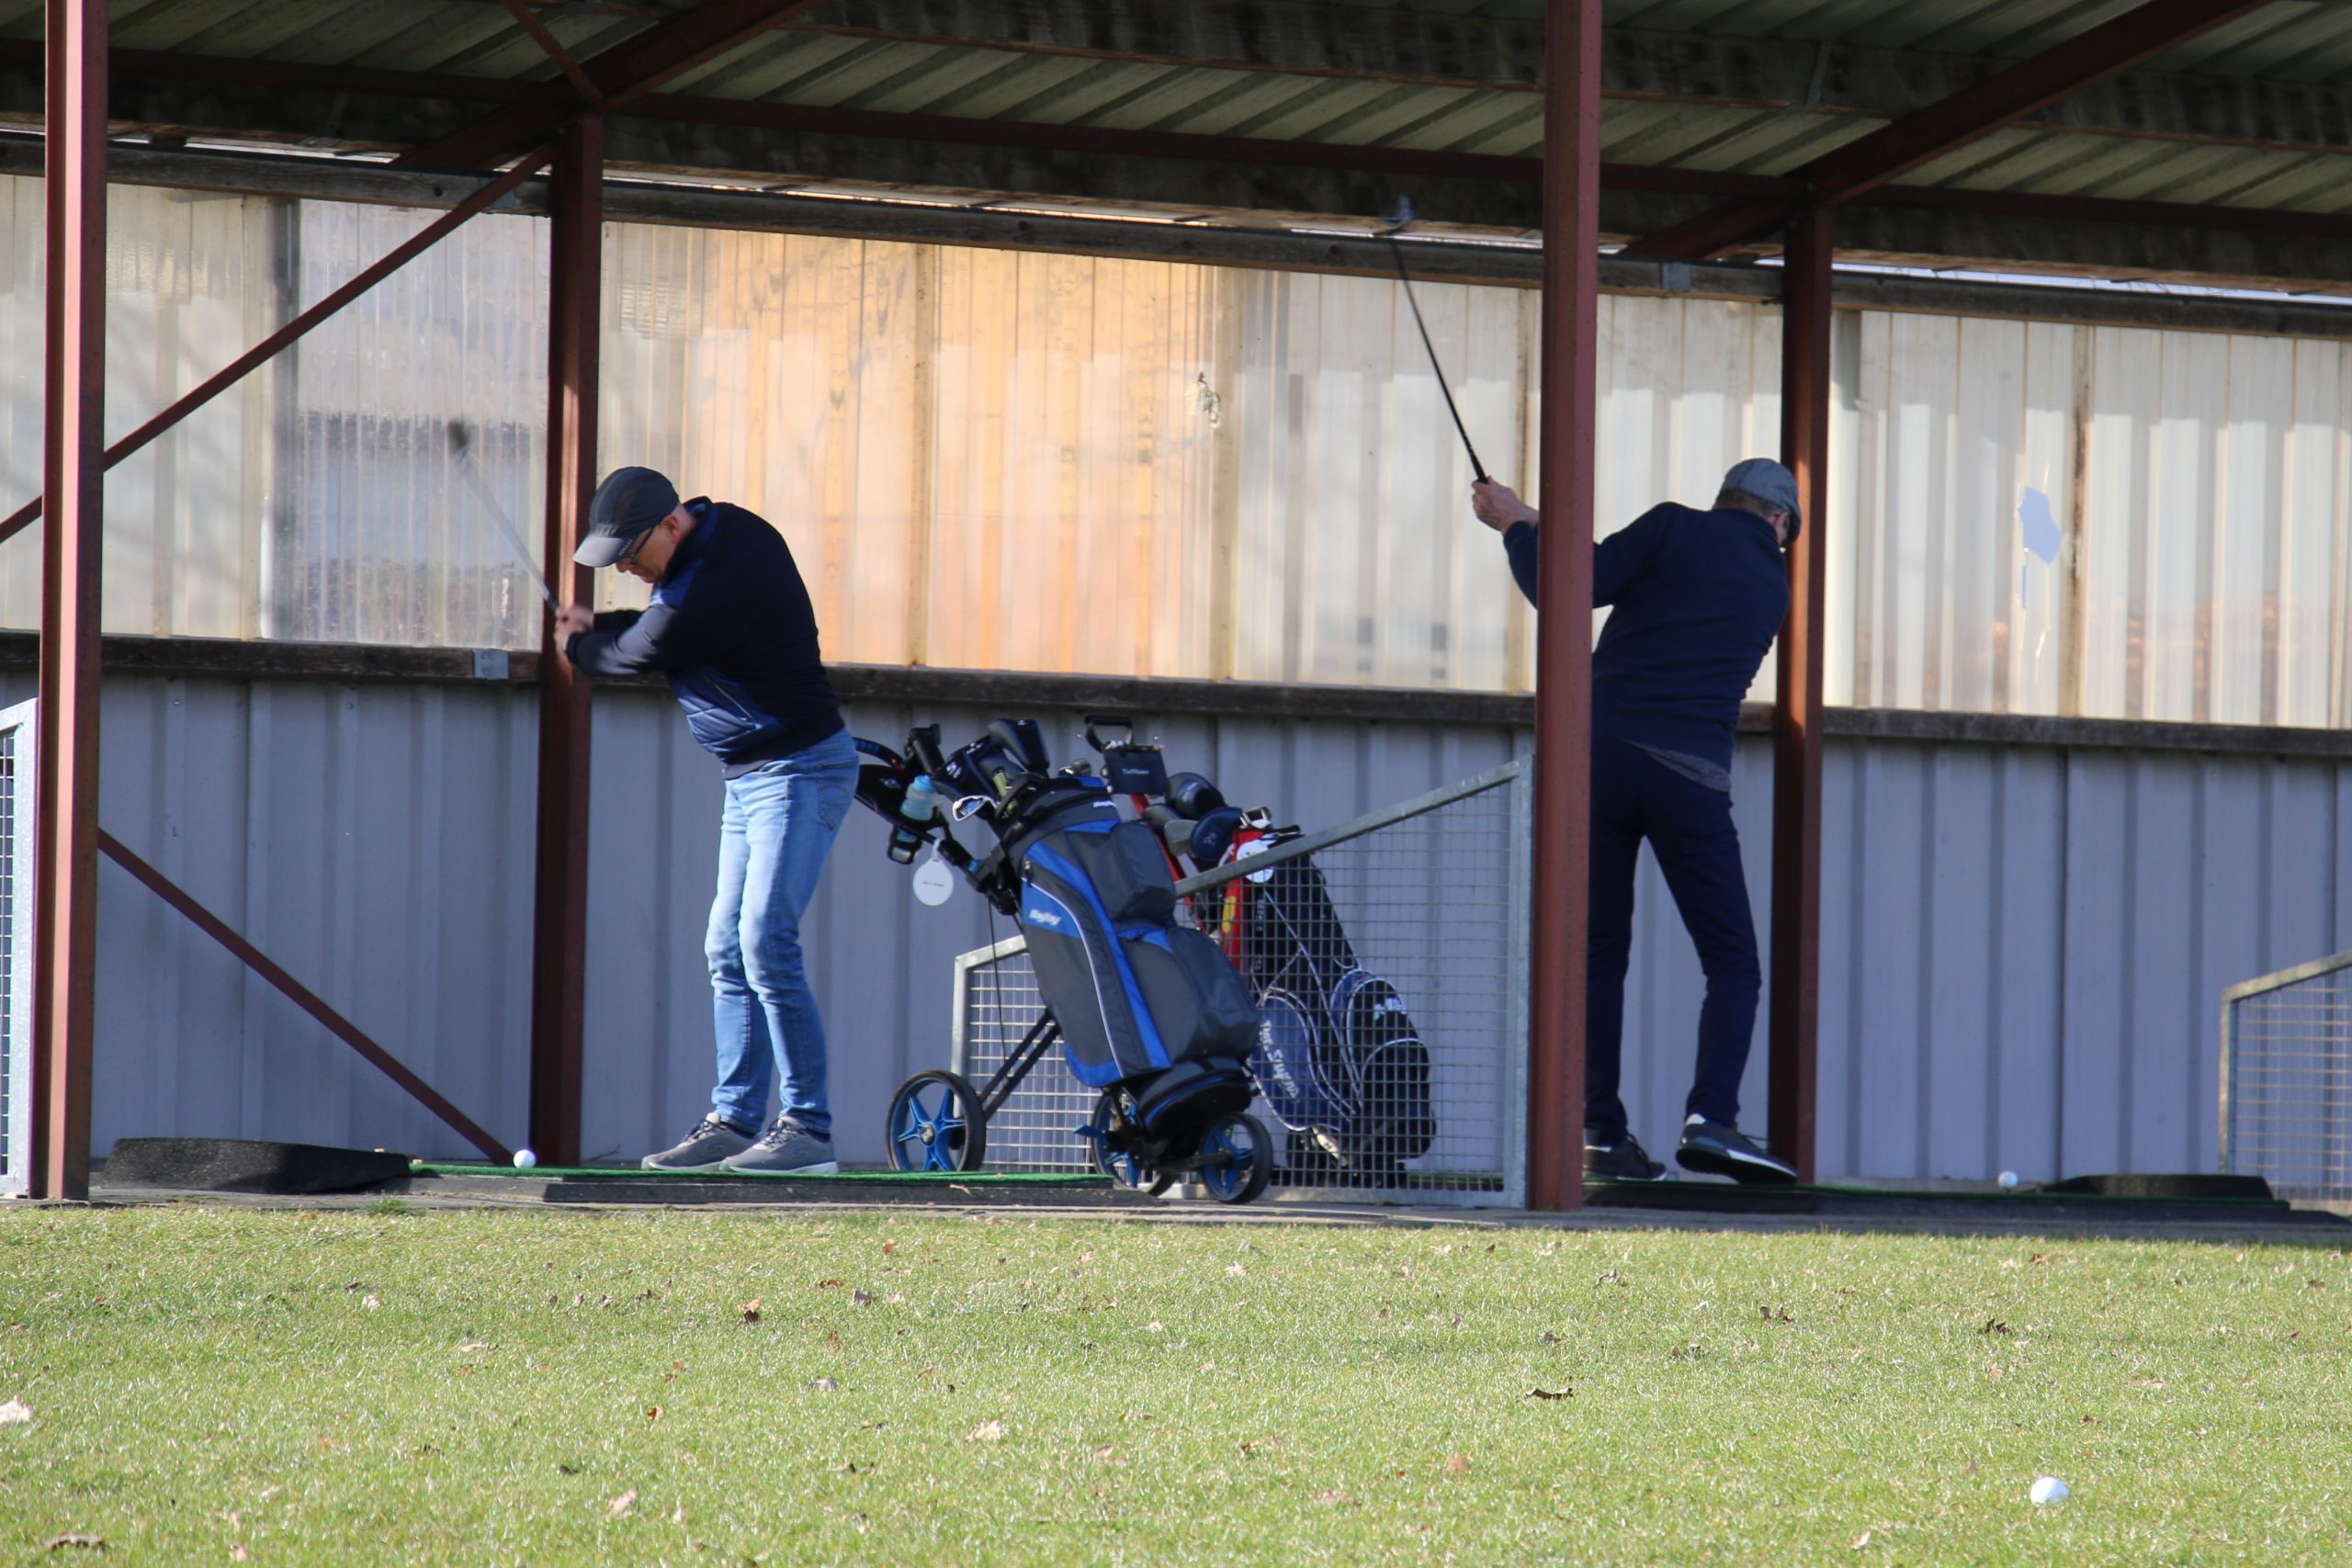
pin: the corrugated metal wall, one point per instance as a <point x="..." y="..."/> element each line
<point x="2023" y="950"/>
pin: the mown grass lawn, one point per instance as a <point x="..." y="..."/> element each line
<point x="211" y="1385"/>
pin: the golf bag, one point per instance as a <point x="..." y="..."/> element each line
<point x="1338" y="1053"/>
<point x="1145" y="1005"/>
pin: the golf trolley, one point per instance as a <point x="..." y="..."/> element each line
<point x="1148" y="1010"/>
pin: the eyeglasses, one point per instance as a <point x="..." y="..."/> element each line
<point x="628" y="555"/>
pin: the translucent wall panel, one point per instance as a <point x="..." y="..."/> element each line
<point x="2196" y="569"/>
<point x="191" y="283"/>
<point x="375" y="533"/>
<point x="2213" y="557"/>
<point x="1076" y="427"/>
<point x="1948" y="543"/>
<point x="1356" y="557"/>
<point x="1057" y="463"/>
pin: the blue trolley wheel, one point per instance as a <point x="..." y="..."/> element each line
<point x="1237" y="1158"/>
<point x="937" y="1124"/>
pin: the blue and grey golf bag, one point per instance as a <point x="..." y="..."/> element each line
<point x="1149" y="1007"/>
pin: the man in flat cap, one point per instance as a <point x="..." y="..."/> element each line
<point x="1698" y="597"/>
<point x="731" y="628"/>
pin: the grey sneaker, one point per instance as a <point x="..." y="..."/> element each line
<point x="788" y="1149"/>
<point x="706" y="1148"/>
<point x="1718" y="1150"/>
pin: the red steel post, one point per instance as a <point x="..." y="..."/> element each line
<point x="559" y="897"/>
<point x="65" y="874"/>
<point x="1793" y="1073"/>
<point x="1564" y="629"/>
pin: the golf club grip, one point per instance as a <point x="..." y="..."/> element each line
<point x="1396" y="255"/>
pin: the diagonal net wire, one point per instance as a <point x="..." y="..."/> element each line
<point x="2287" y="1076"/>
<point x="1386" y="957"/>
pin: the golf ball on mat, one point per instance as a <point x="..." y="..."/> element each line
<point x="2008" y="1179"/>
<point x="524" y="1159"/>
<point x="2048" y="1489"/>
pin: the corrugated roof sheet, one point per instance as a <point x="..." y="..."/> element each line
<point x="2300" y="41"/>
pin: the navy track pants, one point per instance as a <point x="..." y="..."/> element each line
<point x="1689" y="827"/>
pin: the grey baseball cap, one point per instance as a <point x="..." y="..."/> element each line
<point x="627" y="503"/>
<point x="1767" y="481"/>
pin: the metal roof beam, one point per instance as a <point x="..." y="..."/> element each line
<point x="631" y="69"/>
<point x="2215" y="252"/>
<point x="2113" y="47"/>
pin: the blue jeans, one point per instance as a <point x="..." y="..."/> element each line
<point x="780" y="820"/>
<point x="1689" y="827"/>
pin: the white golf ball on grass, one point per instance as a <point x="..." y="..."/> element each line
<point x="2048" y="1489"/>
<point x="2008" y="1180"/>
<point x="524" y="1159"/>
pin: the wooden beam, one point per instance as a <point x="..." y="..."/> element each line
<point x="2094" y="55"/>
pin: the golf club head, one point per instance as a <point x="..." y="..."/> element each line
<point x="1400" y="213"/>
<point x="461" y="437"/>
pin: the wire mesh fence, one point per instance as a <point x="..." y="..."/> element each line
<point x="1388" y="959"/>
<point x="16" y="775"/>
<point x="2287" y="1080"/>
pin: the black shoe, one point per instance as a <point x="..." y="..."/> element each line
<point x="1718" y="1150"/>
<point x="1624" y="1161"/>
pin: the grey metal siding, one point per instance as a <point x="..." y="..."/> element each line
<point x="2023" y="948"/>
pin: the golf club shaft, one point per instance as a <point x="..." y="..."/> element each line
<point x="1396" y="252"/>
<point x="506" y="526"/>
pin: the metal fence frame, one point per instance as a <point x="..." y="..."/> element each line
<point x="2245" y="990"/>
<point x="1516" y="775"/>
<point x="20" y="733"/>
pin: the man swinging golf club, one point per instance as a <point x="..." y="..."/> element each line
<point x="1696" y="597"/>
<point x="731" y="627"/>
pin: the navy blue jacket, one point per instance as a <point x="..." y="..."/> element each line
<point x="1699" y="597"/>
<point x="731" y="627"/>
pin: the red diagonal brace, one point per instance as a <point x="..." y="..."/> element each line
<point x="407" y="252"/>
<point x="581" y="81"/>
<point x="299" y="995"/>
<point x="1894" y="150"/>
<point x="631" y="69"/>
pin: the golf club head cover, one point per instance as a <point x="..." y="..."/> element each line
<point x="1213" y="835"/>
<point x="1192" y="795"/>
